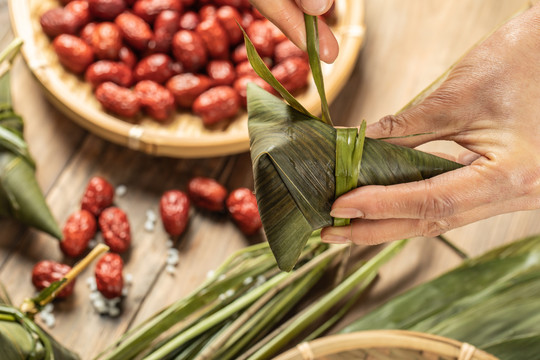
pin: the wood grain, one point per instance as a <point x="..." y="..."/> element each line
<point x="408" y="44"/>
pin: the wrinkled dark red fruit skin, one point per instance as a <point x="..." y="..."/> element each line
<point x="156" y="67"/>
<point x="106" y="70"/>
<point x="215" y="38"/>
<point x="115" y="229"/>
<point x="188" y="48"/>
<point x="109" y="278"/>
<point x="58" y="21"/>
<point x="46" y="272"/>
<point x="150" y="9"/>
<point x="135" y="31"/>
<point x="292" y="73"/>
<point x="216" y="104"/>
<point x="118" y="100"/>
<point x="79" y="229"/>
<point x="73" y="52"/>
<point x="242" y="206"/>
<point x="207" y="193"/>
<point x="106" y="40"/>
<point x="156" y="100"/>
<point x="222" y="72"/>
<point x="80" y="11"/>
<point x="99" y="194"/>
<point x="106" y="9"/>
<point x="174" y="210"/>
<point x="186" y="87"/>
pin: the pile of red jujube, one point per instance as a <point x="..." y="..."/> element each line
<point x="156" y="55"/>
<point x="209" y="195"/>
<point x="98" y="212"/>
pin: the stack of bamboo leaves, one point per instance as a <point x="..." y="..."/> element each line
<point x="492" y="302"/>
<point x="20" y="195"/>
<point x="240" y="311"/>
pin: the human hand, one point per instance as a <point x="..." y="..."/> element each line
<point x="288" y="15"/>
<point x="490" y="105"/>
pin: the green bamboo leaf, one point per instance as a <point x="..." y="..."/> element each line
<point x="312" y="40"/>
<point x="490" y="301"/>
<point x="262" y="70"/>
<point x="21" y="338"/>
<point x="294" y="161"/>
<point x="20" y="195"/>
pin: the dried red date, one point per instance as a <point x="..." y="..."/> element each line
<point x="109" y="277"/>
<point x="127" y="56"/>
<point x="187" y="87"/>
<point x="239" y="54"/>
<point x="87" y="31"/>
<point x="262" y="38"/>
<point x="156" y="67"/>
<point x="214" y="37"/>
<point x="148" y="10"/>
<point x="80" y="11"/>
<point x="135" y="31"/>
<point x="58" y="21"/>
<point x="208" y="12"/>
<point x="73" y="52"/>
<point x="174" y="210"/>
<point x="114" y="226"/>
<point x="240" y="85"/>
<point x="46" y="272"/>
<point x="292" y="73"/>
<point x="118" y="100"/>
<point x="79" y="229"/>
<point x="207" y="193"/>
<point x="166" y="25"/>
<point x="287" y="49"/>
<point x="188" y="48"/>
<point x="99" y="194"/>
<point x="216" y="104"/>
<point x="106" y="40"/>
<point x="229" y="18"/>
<point x="106" y="70"/>
<point x="221" y="72"/>
<point x="106" y="9"/>
<point x="189" y="20"/>
<point x="242" y="206"/>
<point x="155" y="99"/>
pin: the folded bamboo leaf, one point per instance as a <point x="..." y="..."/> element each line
<point x="20" y="195"/>
<point x="21" y="338"/>
<point x="490" y="301"/>
<point x="294" y="161"/>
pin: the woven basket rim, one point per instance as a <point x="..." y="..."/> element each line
<point x="403" y="339"/>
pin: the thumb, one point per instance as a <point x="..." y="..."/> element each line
<point x="430" y="120"/>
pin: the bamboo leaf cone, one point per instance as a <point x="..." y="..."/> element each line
<point x="295" y="164"/>
<point x="294" y="161"/>
<point x="20" y="195"/>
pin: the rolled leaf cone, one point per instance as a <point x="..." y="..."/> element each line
<point x="294" y="159"/>
<point x="21" y="338"/>
<point x="490" y="302"/>
<point x="20" y="195"/>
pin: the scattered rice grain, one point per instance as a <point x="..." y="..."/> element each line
<point x="210" y="274"/>
<point x="149" y="226"/>
<point x="121" y="190"/>
<point x="114" y="311"/>
<point x="171" y="269"/>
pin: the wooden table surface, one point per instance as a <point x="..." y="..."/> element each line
<point x="408" y="44"/>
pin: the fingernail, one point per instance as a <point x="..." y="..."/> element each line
<point x="335" y="239"/>
<point x="315" y="7"/>
<point x="346" y="213"/>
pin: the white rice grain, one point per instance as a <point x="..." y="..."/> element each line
<point x="121" y="190"/>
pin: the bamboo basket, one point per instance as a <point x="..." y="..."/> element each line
<point x="385" y="345"/>
<point x="185" y="136"/>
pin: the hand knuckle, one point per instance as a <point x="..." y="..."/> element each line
<point x="434" y="228"/>
<point x="435" y="206"/>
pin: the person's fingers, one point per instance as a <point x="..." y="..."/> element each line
<point x="467" y="157"/>
<point x="286" y="15"/>
<point x="432" y="119"/>
<point x="439" y="197"/>
<point x="372" y="232"/>
<point x="314" y="7"/>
